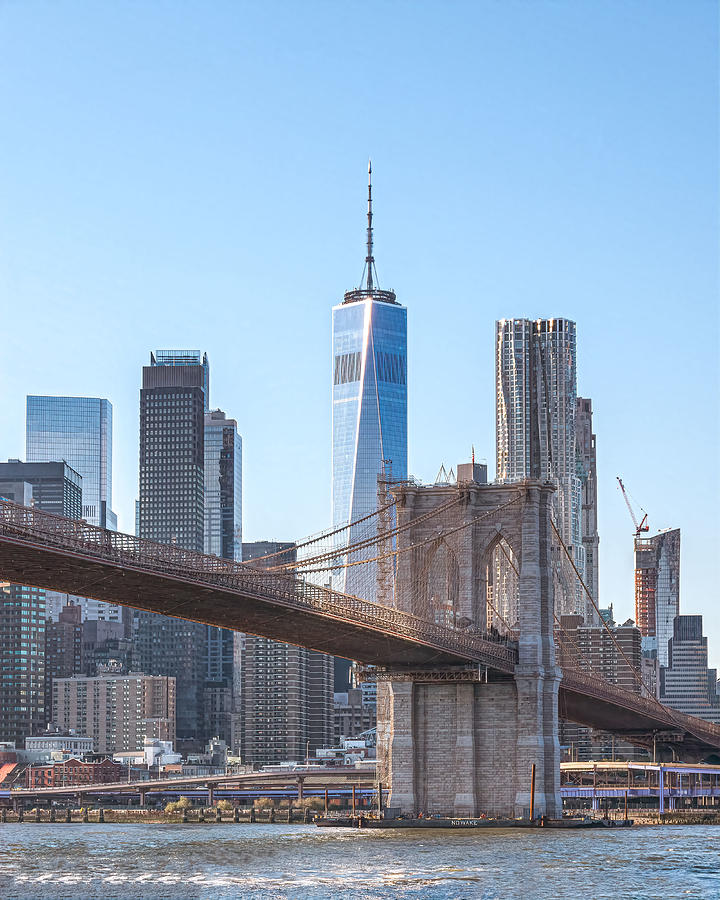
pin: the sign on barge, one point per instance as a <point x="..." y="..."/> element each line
<point x="441" y="822"/>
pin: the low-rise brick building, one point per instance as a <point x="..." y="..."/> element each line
<point x="74" y="771"/>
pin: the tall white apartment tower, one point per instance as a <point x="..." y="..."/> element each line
<point x="536" y="399"/>
<point x="587" y="464"/>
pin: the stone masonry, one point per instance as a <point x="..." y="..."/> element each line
<point x="460" y="747"/>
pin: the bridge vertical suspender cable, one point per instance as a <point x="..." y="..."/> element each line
<point x="637" y="675"/>
<point x="579" y="654"/>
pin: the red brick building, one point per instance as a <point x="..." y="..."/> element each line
<point x="74" y="771"/>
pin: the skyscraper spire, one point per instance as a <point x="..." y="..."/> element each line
<point x="368" y="288"/>
<point x="369" y="261"/>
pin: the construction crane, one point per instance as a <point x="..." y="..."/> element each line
<point x="643" y="526"/>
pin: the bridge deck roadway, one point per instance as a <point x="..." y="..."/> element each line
<point x="337" y="776"/>
<point x="46" y="551"/>
<point x="42" y="550"/>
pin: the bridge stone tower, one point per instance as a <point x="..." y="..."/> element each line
<point x="463" y="743"/>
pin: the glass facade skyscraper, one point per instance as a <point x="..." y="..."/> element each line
<point x="657" y="590"/>
<point x="53" y="487"/>
<point x="369" y="402"/>
<point x="79" y="431"/>
<point x="223" y="537"/>
<point x="223" y="486"/>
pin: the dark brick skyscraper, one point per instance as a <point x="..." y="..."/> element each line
<point x="63" y="650"/>
<point x="173" y="401"/>
<point x="287" y="691"/>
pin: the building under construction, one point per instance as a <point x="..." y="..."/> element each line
<point x="657" y="590"/>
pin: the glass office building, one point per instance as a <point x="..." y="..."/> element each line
<point x="53" y="487"/>
<point x="223" y="537"/>
<point x="79" y="431"/>
<point x="369" y="397"/>
<point x="223" y="486"/>
<point x="369" y="402"/>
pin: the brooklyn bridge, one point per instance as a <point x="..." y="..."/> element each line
<point x="462" y="693"/>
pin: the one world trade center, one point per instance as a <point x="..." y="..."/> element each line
<point x="369" y="410"/>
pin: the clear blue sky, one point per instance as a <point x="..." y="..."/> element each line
<point x="192" y="175"/>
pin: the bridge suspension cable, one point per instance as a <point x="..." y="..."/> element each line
<point x="320" y="536"/>
<point x="565" y="635"/>
<point x="363" y="543"/>
<point x="636" y="674"/>
<point x="388" y="535"/>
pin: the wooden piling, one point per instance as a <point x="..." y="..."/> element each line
<point x="532" y="792"/>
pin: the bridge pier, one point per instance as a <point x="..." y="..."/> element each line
<point x="462" y="749"/>
<point x="464" y="743"/>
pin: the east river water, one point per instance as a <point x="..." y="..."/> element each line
<point x="290" y="862"/>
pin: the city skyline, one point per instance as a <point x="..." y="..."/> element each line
<point x="614" y="260"/>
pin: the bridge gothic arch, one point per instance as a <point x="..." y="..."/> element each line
<point x="499" y="570"/>
<point x="439" y="584"/>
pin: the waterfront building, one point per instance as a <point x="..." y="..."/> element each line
<point x="223" y="537"/>
<point x="76" y="745"/>
<point x="78" y="430"/>
<point x="63" y="650"/>
<point x="117" y="711"/>
<point x="74" y="771"/>
<point x="686" y="683"/>
<point x="536" y="437"/>
<point x="657" y="590"/>
<point x="287" y="691"/>
<point x="171" y="510"/>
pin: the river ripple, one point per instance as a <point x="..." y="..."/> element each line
<point x="175" y="862"/>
